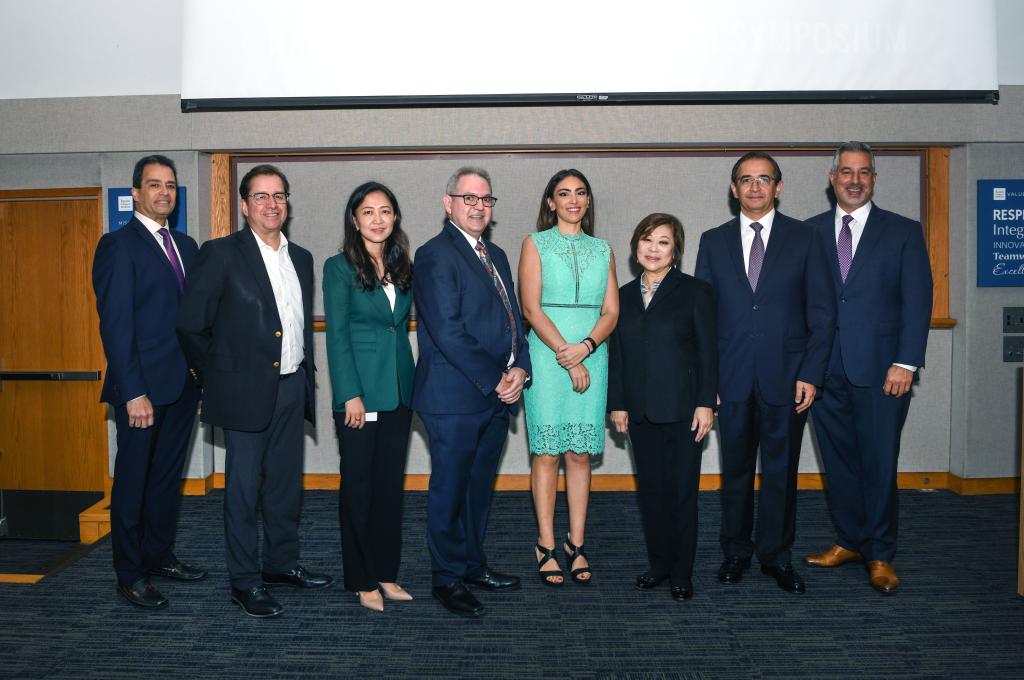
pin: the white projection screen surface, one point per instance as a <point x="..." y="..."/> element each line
<point x="259" y="54"/>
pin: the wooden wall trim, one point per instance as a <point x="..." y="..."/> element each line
<point x="220" y="195"/>
<point x="936" y="228"/>
<point x="626" y="482"/>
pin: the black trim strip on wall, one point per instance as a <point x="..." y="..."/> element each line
<point x="596" y="99"/>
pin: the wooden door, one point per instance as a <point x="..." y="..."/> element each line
<point x="53" y="432"/>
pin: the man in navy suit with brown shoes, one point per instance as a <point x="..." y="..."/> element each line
<point x="883" y="285"/>
<point x="139" y="275"/>
<point x="776" y="318"/>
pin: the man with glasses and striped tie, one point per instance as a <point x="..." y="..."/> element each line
<point x="776" y="319"/>
<point x="473" y="364"/>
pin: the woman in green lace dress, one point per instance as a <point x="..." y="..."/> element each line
<point x="571" y="301"/>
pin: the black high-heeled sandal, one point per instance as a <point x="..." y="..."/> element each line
<point x="574" y="552"/>
<point x="548" y="555"/>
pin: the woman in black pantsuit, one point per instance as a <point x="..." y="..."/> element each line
<point x="662" y="385"/>
<point x="367" y="296"/>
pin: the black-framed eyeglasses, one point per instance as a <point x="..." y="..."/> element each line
<point x="471" y="199"/>
<point x="263" y="198"/>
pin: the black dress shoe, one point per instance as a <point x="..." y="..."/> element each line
<point x="457" y="599"/>
<point x="256" y="602"/>
<point x="646" y="580"/>
<point x="732" y="569"/>
<point x="297" y="578"/>
<point x="492" y="580"/>
<point x="682" y="591"/>
<point x="179" y="571"/>
<point x="143" y="594"/>
<point x="785" y="576"/>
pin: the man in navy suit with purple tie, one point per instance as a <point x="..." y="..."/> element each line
<point x="776" y="319"/>
<point x="139" y="275"/>
<point x="883" y="284"/>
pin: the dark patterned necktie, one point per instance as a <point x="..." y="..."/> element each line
<point x="844" y="245"/>
<point x="756" y="256"/>
<point x="502" y="293"/>
<point x="173" y="257"/>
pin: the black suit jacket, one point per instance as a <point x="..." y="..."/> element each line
<point x="231" y="331"/>
<point x="663" y="360"/>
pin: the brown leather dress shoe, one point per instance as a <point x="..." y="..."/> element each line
<point x="833" y="557"/>
<point x="883" y="577"/>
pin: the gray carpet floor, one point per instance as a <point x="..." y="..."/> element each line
<point x="957" y="614"/>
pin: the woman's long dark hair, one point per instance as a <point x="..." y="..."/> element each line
<point x="546" y="217"/>
<point x="397" y="265"/>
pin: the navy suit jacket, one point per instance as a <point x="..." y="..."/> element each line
<point x="137" y="298"/>
<point x="885" y="306"/>
<point x="462" y="327"/>
<point x="231" y="331"/>
<point x="783" y="332"/>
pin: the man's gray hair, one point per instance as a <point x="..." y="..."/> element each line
<point x="852" y="146"/>
<point x="453" y="181"/>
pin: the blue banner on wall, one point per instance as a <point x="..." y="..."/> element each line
<point x="1000" y="232"/>
<point x="120" y="210"/>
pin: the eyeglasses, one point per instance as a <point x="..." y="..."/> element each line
<point x="471" y="199"/>
<point x="263" y="198"/>
<point x="751" y="180"/>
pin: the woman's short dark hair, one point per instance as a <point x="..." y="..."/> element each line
<point x="546" y="217"/>
<point x="652" y="222"/>
<point x="397" y="265"/>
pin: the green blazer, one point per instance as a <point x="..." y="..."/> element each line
<point x="368" y="348"/>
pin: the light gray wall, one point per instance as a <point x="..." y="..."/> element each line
<point x="960" y="420"/>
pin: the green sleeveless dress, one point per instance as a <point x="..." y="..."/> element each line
<point x="574" y="277"/>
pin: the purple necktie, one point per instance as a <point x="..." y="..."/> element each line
<point x="489" y="267"/>
<point x="173" y="257"/>
<point x="844" y="244"/>
<point x="756" y="256"/>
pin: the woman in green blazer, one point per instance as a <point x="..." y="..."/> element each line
<point x="367" y="296"/>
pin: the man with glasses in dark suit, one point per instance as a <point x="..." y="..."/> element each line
<point x="473" y="364"/>
<point x="246" y="324"/>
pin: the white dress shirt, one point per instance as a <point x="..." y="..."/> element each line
<point x="747" y="235"/>
<point x="288" y="296"/>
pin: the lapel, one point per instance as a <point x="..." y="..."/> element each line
<point x="183" y="250"/>
<point x="781" y="233"/>
<point x="250" y="252"/>
<point x="873" y="230"/>
<point x="670" y="281"/>
<point x="402" y="303"/>
<point x="463" y="248"/>
<point x="827" y="234"/>
<point x="734" y="244"/>
<point x="156" y="249"/>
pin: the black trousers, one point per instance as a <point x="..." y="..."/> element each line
<point x="147" y="485"/>
<point x="263" y="475"/>
<point x="668" y="477"/>
<point x="370" y="505"/>
<point x="745" y="427"/>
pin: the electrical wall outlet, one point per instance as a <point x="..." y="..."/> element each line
<point x="1013" y="348"/>
<point x="1013" y="319"/>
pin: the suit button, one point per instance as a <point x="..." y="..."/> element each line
<point x="755" y="308"/>
<point x="391" y="329"/>
<point x="842" y="298"/>
<point x="277" y="334"/>
<point x="277" y="364"/>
